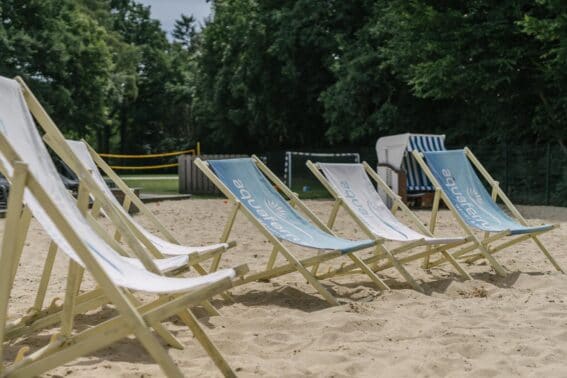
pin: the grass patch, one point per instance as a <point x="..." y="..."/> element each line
<point x="155" y="184"/>
<point x="169" y="184"/>
<point x="314" y="189"/>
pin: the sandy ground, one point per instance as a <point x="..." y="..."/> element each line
<point x="491" y="326"/>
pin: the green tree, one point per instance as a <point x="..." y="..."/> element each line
<point x="62" y="53"/>
<point x="184" y="31"/>
<point x="547" y="24"/>
<point x="262" y="67"/>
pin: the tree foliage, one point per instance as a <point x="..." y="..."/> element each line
<point x="272" y="74"/>
<point x="105" y="70"/>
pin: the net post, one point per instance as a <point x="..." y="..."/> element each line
<point x="547" y="173"/>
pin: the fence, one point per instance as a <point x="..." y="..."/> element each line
<point x="529" y="174"/>
<point x="192" y="180"/>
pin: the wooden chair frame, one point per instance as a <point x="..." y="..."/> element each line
<point x="391" y="255"/>
<point x="294" y="264"/>
<point x="133" y="319"/>
<point x="484" y="245"/>
<point x="37" y="316"/>
<point x="194" y="260"/>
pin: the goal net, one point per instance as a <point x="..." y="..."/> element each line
<point x="298" y="177"/>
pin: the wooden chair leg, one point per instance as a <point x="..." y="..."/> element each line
<point x="400" y="268"/>
<point x="310" y="278"/>
<point x="189" y="319"/>
<point x="547" y="254"/>
<point x="456" y="265"/>
<point x="366" y="269"/>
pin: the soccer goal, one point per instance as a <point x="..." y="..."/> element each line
<point x="297" y="175"/>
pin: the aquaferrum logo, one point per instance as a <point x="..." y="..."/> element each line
<point x="272" y="216"/>
<point x="367" y="212"/>
<point x="470" y="204"/>
<point x="350" y="195"/>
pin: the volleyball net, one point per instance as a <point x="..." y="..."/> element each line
<point x="110" y="158"/>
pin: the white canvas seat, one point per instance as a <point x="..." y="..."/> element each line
<point x="38" y="190"/>
<point x="350" y="186"/>
<point x="352" y="183"/>
<point x="18" y="127"/>
<point x="81" y="152"/>
<point x="168" y="254"/>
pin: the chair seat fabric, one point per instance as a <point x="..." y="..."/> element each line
<point x="18" y="127"/>
<point x="167" y="248"/>
<point x="458" y="179"/>
<point x="351" y="182"/>
<point x="255" y="192"/>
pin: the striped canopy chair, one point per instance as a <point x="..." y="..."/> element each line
<point x="397" y="166"/>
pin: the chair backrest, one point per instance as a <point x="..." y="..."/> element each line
<point x="19" y="130"/>
<point x="247" y="183"/>
<point x="458" y="179"/>
<point x="82" y="152"/>
<point x="416" y="179"/>
<point x="352" y="183"/>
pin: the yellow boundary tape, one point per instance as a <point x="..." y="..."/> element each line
<point x="149" y="155"/>
<point x="194" y="151"/>
<point x="145" y="166"/>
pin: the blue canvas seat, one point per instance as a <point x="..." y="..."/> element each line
<point x="474" y="204"/>
<point x="254" y="191"/>
<point x="454" y="173"/>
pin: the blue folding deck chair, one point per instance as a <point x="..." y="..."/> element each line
<point x="249" y="184"/>
<point x="457" y="183"/>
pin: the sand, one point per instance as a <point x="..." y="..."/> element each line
<point x="491" y="326"/>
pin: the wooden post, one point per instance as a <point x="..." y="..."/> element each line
<point x="10" y="256"/>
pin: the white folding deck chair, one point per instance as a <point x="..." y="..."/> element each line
<point x="352" y="190"/>
<point x="167" y="244"/>
<point x="170" y="257"/>
<point x="247" y="183"/>
<point x="85" y="155"/>
<point x="474" y="208"/>
<point x="36" y="189"/>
